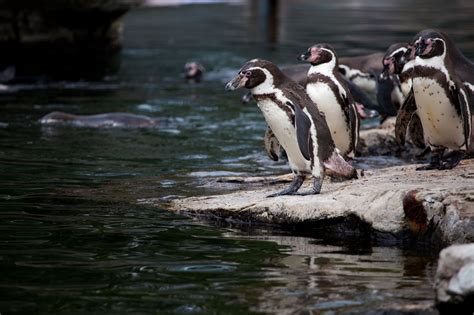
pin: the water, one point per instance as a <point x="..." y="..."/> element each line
<point x="77" y="231"/>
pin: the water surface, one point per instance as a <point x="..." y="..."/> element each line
<point x="77" y="231"/>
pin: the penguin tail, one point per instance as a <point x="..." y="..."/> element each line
<point x="336" y="167"/>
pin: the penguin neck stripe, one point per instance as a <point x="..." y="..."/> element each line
<point x="280" y="101"/>
<point x="325" y="73"/>
<point x="408" y="66"/>
<point x="267" y="86"/>
<point x="327" y="67"/>
<point x="401" y="49"/>
<point x="437" y="62"/>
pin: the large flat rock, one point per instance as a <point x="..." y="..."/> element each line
<point x="396" y="203"/>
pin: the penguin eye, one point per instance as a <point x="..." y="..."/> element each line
<point x="248" y="73"/>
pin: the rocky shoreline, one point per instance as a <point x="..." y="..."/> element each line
<point x="394" y="204"/>
<point x="388" y="206"/>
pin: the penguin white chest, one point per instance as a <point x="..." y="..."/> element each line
<point x="324" y="97"/>
<point x="285" y="132"/>
<point x="405" y="86"/>
<point x="441" y="123"/>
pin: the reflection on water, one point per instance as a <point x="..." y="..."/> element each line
<point x="77" y="233"/>
<point x="320" y="277"/>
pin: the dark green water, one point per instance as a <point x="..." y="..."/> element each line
<point x="77" y="231"/>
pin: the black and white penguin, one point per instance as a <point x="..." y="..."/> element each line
<point x="296" y="122"/>
<point x="326" y="87"/>
<point x="441" y="96"/>
<point x="399" y="61"/>
<point x="299" y="74"/>
<point x="362" y="70"/>
<point x="193" y="72"/>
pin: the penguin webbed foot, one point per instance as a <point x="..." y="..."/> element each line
<point x="428" y="167"/>
<point x="292" y="189"/>
<point x="317" y="184"/>
<point x="435" y="161"/>
<point x="453" y="160"/>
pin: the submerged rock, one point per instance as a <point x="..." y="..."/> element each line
<point x="391" y="204"/>
<point x="100" y="120"/>
<point x="455" y="279"/>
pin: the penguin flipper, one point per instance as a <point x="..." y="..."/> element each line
<point x="303" y="126"/>
<point x="465" y="112"/>
<point x="350" y="111"/>
<point x="385" y="88"/>
<point x="272" y="146"/>
<point x="403" y="118"/>
<point x="415" y="130"/>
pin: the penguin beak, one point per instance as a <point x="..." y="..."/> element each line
<point x="304" y="56"/>
<point x="236" y="83"/>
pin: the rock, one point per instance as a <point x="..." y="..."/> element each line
<point x="40" y="38"/>
<point x="455" y="279"/>
<point x="392" y="204"/>
<point x="381" y="141"/>
<point x="105" y="120"/>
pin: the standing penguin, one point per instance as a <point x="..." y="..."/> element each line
<point x="399" y="61"/>
<point x="296" y="122"/>
<point x="326" y="87"/>
<point x="441" y="96"/>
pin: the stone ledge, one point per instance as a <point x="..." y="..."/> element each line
<point x="396" y="204"/>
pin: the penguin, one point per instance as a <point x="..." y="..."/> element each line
<point x="295" y="120"/>
<point x="326" y="87"/>
<point x="299" y="73"/>
<point x="105" y="120"/>
<point x="442" y="98"/>
<point x="399" y="61"/>
<point x="362" y="70"/>
<point x="193" y="72"/>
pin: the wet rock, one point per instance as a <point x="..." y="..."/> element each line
<point x="61" y="38"/>
<point x="406" y="309"/>
<point x="455" y="280"/>
<point x="391" y="204"/>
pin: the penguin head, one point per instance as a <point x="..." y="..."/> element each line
<point x="395" y="58"/>
<point x="429" y="44"/>
<point x="193" y="71"/>
<point x="254" y="73"/>
<point x="318" y="54"/>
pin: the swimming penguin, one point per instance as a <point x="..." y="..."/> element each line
<point x="295" y="120"/>
<point x="327" y="88"/>
<point x="193" y="72"/>
<point x="441" y="97"/>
